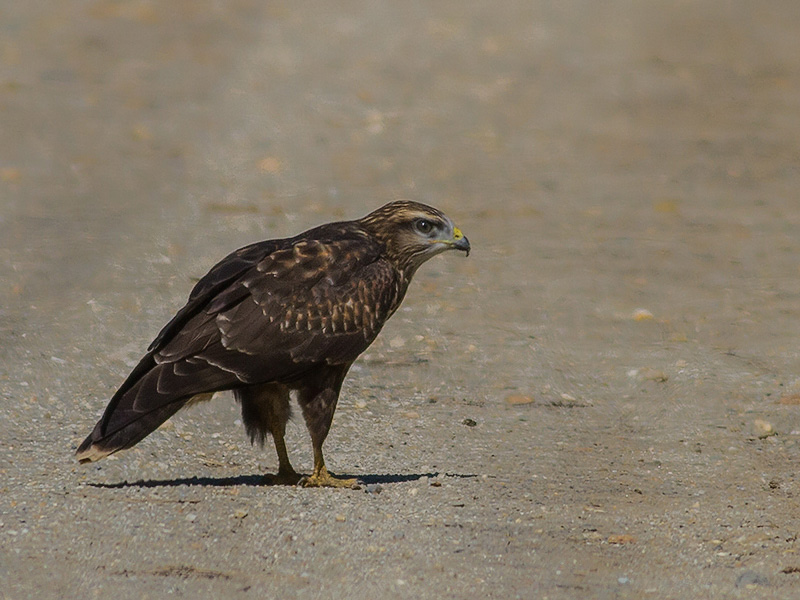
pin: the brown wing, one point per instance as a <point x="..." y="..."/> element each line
<point x="299" y="306"/>
<point x="221" y="276"/>
<point x="268" y="312"/>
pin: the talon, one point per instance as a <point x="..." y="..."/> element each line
<point x="325" y="479"/>
<point x="285" y="478"/>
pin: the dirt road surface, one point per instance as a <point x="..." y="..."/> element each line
<point x="602" y="401"/>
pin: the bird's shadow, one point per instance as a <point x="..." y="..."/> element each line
<point x="262" y="481"/>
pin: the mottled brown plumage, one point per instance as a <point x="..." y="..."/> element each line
<point x="274" y="317"/>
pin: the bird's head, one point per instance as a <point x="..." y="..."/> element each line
<point x="414" y="232"/>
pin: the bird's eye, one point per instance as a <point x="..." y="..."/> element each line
<point x="423" y="226"/>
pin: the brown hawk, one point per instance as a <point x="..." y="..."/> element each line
<point x="274" y="317"/>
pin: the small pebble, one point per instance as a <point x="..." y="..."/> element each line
<point x="518" y="399"/>
<point x="763" y="428"/>
<point x="469" y="422"/>
<point x="648" y="374"/>
<point x="373" y="488"/>
<point x="239" y="514"/>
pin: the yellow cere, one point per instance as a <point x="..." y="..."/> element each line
<point x="457" y="235"/>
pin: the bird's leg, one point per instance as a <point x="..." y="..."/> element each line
<point x="318" y="404"/>
<point x="321" y="477"/>
<point x="265" y="411"/>
<point x="286" y="474"/>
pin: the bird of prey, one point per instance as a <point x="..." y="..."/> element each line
<point x="274" y="317"/>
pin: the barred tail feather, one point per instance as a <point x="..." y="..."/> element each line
<point x="100" y="444"/>
<point x="151" y="395"/>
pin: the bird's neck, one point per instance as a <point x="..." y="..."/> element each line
<point x="401" y="283"/>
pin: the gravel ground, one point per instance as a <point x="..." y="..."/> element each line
<point x="602" y="401"/>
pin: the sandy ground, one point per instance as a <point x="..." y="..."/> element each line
<point x="602" y="401"/>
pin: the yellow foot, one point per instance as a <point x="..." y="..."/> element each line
<point x="325" y="479"/>
<point x="282" y="478"/>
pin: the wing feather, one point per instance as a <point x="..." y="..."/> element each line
<point x="303" y="303"/>
<point x="212" y="287"/>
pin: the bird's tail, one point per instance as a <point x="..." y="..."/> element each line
<point x="104" y="441"/>
<point x="151" y="395"/>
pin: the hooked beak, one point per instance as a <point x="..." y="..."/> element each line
<point x="460" y="241"/>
